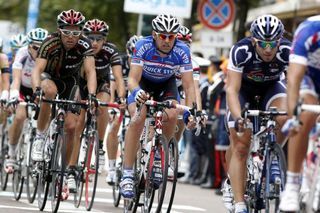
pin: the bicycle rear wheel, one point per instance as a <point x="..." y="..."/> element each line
<point x="116" y="195"/>
<point x="4" y="151"/>
<point x="58" y="165"/>
<point x="80" y="180"/>
<point x="152" y="191"/>
<point x="31" y="177"/>
<point x="44" y="179"/>
<point x="91" y="168"/>
<point x="18" y="178"/>
<point x="172" y="173"/>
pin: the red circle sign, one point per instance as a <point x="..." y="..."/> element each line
<point x="216" y="14"/>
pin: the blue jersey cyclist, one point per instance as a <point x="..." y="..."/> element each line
<point x="304" y="70"/>
<point x="155" y="60"/>
<point x="255" y="69"/>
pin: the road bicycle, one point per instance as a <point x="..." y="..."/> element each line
<point x="266" y="163"/>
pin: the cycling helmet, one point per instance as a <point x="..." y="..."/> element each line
<point x="18" y="41"/>
<point x="96" y="26"/>
<point x="132" y="43"/>
<point x="70" y="18"/>
<point x="165" y="24"/>
<point x="184" y="34"/>
<point x="37" y="35"/>
<point x="267" y="27"/>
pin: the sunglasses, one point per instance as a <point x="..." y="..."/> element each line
<point x="265" y="44"/>
<point x="70" y="32"/>
<point x="36" y="48"/>
<point x="97" y="38"/>
<point x="163" y="36"/>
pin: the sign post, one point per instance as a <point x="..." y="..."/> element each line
<point x="216" y="14"/>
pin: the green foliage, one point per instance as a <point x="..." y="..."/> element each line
<point x="122" y="25"/>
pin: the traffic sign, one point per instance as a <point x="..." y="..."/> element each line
<point x="216" y="14"/>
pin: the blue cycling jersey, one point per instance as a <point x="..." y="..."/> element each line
<point x="159" y="69"/>
<point x="306" y="48"/>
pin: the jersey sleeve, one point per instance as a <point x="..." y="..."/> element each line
<point x="115" y="56"/>
<point x="19" y="58"/>
<point x="185" y="58"/>
<point x="196" y="70"/>
<point x="238" y="57"/>
<point x="301" y="43"/>
<point x="139" y="52"/>
<point x="85" y="47"/>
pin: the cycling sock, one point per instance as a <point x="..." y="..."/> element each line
<point x="112" y="164"/>
<point x="12" y="150"/>
<point x="240" y="206"/>
<point x="293" y="178"/>
<point x="128" y="173"/>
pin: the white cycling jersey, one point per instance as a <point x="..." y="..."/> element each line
<point x="195" y="73"/>
<point x="24" y="62"/>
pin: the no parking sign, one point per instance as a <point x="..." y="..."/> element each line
<point x="216" y="14"/>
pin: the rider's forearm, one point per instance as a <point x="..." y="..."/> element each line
<point x="5" y="81"/>
<point x="233" y="103"/>
<point x="198" y="95"/>
<point x="92" y="82"/>
<point x="16" y="76"/>
<point x="190" y="95"/>
<point x="121" y="89"/>
<point x="35" y="78"/>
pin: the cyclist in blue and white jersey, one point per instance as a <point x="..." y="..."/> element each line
<point x="256" y="67"/>
<point x="304" y="70"/>
<point x="21" y="88"/>
<point x="153" y="66"/>
<point x="112" y="138"/>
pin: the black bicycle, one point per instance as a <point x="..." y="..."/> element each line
<point x="266" y="163"/>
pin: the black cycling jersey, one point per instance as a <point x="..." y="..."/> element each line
<point x="63" y="63"/>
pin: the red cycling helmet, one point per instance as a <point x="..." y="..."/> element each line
<point x="70" y="18"/>
<point x="96" y="26"/>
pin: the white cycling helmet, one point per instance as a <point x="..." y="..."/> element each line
<point x="18" y="41"/>
<point x="185" y="34"/>
<point x="132" y="43"/>
<point x="165" y="24"/>
<point x="267" y="27"/>
<point x="37" y="35"/>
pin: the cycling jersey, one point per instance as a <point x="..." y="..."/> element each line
<point x="24" y="62"/>
<point x="244" y="59"/>
<point x="125" y="68"/>
<point x="64" y="63"/>
<point x="196" y="72"/>
<point x="306" y="49"/>
<point x="107" y="57"/>
<point x="159" y="69"/>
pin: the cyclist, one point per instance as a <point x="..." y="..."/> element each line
<point x="61" y="57"/>
<point x="303" y="70"/>
<point x="185" y="36"/>
<point x="153" y="65"/>
<point x="256" y="67"/>
<point x="106" y="56"/>
<point x="21" y="88"/>
<point x="5" y="74"/>
<point x="112" y="138"/>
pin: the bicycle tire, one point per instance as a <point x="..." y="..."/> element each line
<point x="80" y="172"/>
<point x="116" y="195"/>
<point x="92" y="167"/>
<point x="139" y="182"/>
<point x="312" y="204"/>
<point x="31" y="178"/>
<point x="58" y="164"/>
<point x="44" y="179"/>
<point x="150" y="191"/>
<point x="4" y="151"/>
<point x="18" y="178"/>
<point x="172" y="172"/>
<point x="272" y="204"/>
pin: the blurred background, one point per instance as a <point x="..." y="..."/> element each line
<point x="229" y="19"/>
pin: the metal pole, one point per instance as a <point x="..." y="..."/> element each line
<point x="140" y="24"/>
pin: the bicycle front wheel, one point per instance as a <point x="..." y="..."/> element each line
<point x="4" y="151"/>
<point x="44" y="180"/>
<point x="18" y="179"/>
<point x="58" y="164"/>
<point x="31" y="177"/>
<point x="91" y="169"/>
<point x="80" y="172"/>
<point x="155" y="189"/>
<point x="116" y="186"/>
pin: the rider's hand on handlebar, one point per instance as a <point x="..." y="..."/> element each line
<point x="189" y="120"/>
<point x="202" y="117"/>
<point x="4" y="97"/>
<point x="123" y="104"/>
<point x="141" y="96"/>
<point x="13" y="100"/>
<point x="291" y="127"/>
<point x="36" y="95"/>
